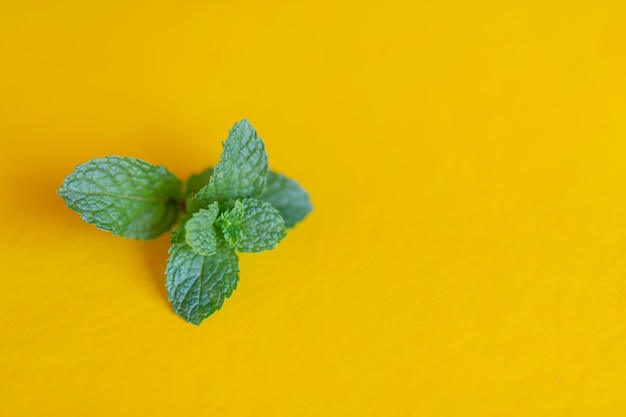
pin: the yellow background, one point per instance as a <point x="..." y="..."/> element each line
<point x="467" y="251"/>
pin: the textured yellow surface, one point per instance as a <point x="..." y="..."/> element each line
<point x="466" y="255"/>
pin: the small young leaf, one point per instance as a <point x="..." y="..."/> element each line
<point x="197" y="285"/>
<point x="178" y="234"/>
<point x="286" y="195"/>
<point x="230" y="223"/>
<point x="242" y="169"/>
<point x="125" y="196"/>
<point x="262" y="226"/>
<point x="200" y="233"/>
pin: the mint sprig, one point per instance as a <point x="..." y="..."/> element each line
<point x="238" y="205"/>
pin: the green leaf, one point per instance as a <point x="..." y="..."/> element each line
<point x="262" y="226"/>
<point x="197" y="285"/>
<point x="197" y="181"/>
<point x="200" y="234"/>
<point x="241" y="172"/>
<point x="230" y="223"/>
<point x="125" y="196"/>
<point x="286" y="195"/>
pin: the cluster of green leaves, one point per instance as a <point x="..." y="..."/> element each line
<point x="238" y="205"/>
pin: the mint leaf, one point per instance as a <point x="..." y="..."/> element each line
<point x="242" y="170"/>
<point x="200" y="234"/>
<point x="197" y="285"/>
<point x="125" y="196"/>
<point x="196" y="181"/>
<point x="230" y="223"/>
<point x="286" y="195"/>
<point x="262" y="226"/>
